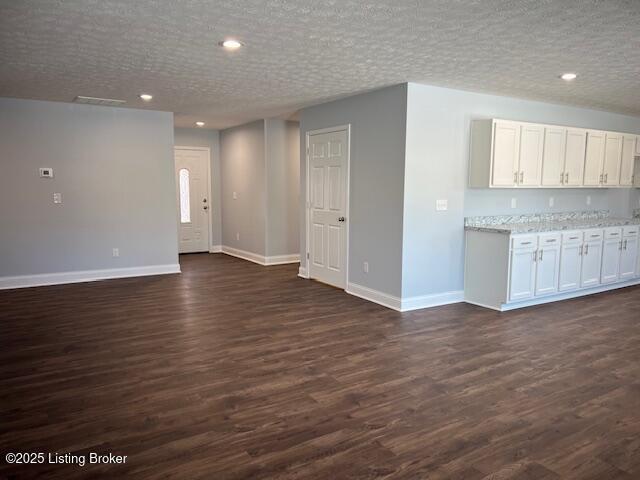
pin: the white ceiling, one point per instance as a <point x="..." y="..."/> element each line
<point x="301" y="52"/>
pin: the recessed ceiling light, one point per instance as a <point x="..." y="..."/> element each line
<point x="200" y="124"/>
<point x="146" y="97"/>
<point x="231" y="44"/>
<point x="568" y="76"/>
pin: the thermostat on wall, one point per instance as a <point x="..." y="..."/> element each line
<point x="46" y="172"/>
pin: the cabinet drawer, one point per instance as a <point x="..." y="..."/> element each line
<point x="630" y="231"/>
<point x="612" y="232"/>
<point x="524" y="241"/>
<point x="590" y="235"/>
<point x="549" y="239"/>
<point x="572" y="238"/>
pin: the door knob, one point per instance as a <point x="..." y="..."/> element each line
<point x="341" y="219"/>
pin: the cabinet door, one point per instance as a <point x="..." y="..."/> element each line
<point x="594" y="158"/>
<point x="547" y="268"/>
<point x="574" y="157"/>
<point x="610" y="260"/>
<point x="523" y="274"/>
<point x="553" y="156"/>
<point x="626" y="165"/>
<point x="531" y="149"/>
<point x="570" y="267"/>
<point x="612" y="158"/>
<point x="591" y="262"/>
<point x="638" y="146"/>
<point x="628" y="258"/>
<point x="506" y="148"/>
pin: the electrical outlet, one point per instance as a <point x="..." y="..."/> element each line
<point x="551" y="201"/>
<point x="235" y="195"/>
<point x="514" y="202"/>
<point x="442" y="204"/>
<point x="238" y="236"/>
<point x="365" y="267"/>
<point x="588" y="199"/>
<point x="57" y="198"/>
<point x="116" y="252"/>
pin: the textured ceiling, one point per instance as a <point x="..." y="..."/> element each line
<point x="301" y="52"/>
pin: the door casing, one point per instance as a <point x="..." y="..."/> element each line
<point x="307" y="205"/>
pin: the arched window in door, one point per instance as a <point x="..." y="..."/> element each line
<point x="185" y="204"/>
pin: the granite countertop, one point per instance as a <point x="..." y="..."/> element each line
<point x="547" y="222"/>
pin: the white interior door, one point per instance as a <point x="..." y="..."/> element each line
<point x="327" y="227"/>
<point x="192" y="185"/>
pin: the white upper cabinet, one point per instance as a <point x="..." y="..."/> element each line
<point x="626" y="165"/>
<point x="553" y="158"/>
<point x="509" y="154"/>
<point x="506" y="148"/>
<point x="594" y="158"/>
<point x="531" y="148"/>
<point x="612" y="159"/>
<point x="574" y="157"/>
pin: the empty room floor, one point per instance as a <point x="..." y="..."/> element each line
<point x="232" y="370"/>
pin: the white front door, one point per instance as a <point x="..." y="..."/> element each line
<point x="327" y="228"/>
<point x="192" y="185"/>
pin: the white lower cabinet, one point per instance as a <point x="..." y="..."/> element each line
<point x="611" y="255"/>
<point x="548" y="265"/>
<point x="591" y="259"/>
<point x="629" y="253"/>
<point x="523" y="273"/>
<point x="570" y="261"/>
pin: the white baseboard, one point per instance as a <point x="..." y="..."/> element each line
<point x="215" y="249"/>
<point x="23" y="281"/>
<point x="381" y="298"/>
<point x="405" y="304"/>
<point x="261" y="259"/>
<point x="302" y="272"/>
<point x="434" y="300"/>
<point x="282" y="259"/>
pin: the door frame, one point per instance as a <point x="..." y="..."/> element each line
<point x="307" y="206"/>
<point x="210" y="210"/>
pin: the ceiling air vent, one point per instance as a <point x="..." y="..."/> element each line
<point x="99" y="101"/>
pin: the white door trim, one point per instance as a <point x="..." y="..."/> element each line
<point x="304" y="272"/>
<point x="212" y="248"/>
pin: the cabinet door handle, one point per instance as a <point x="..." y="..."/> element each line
<point x="515" y="177"/>
<point x="606" y="176"/>
<point x="581" y="248"/>
<point x="620" y="246"/>
<point x="566" y="180"/>
<point x="586" y="249"/>
<point x="541" y="252"/>
<point x="561" y="177"/>
<point x="521" y="177"/>
<point x="625" y="244"/>
<point x="601" y="177"/>
<point x="535" y="255"/>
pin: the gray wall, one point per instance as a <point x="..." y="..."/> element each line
<point x="198" y="137"/>
<point x="378" y="122"/>
<point x="438" y="123"/>
<point x="114" y="168"/>
<point x="283" y="188"/>
<point x="242" y="156"/>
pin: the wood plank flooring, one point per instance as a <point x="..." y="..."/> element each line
<point x="236" y="371"/>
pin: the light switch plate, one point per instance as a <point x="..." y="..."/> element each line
<point x="57" y="198"/>
<point x="514" y="202"/>
<point x="442" y="204"/>
<point x="588" y="199"/>
<point x="235" y="195"/>
<point x="551" y="201"/>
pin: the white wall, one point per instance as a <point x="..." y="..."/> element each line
<point x="198" y="137"/>
<point x="242" y="155"/>
<point x="114" y="168"/>
<point x="376" y="186"/>
<point x="283" y="188"/>
<point x="437" y="146"/>
<point x="260" y="162"/>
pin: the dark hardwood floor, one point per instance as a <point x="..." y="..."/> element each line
<point x="236" y="371"/>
